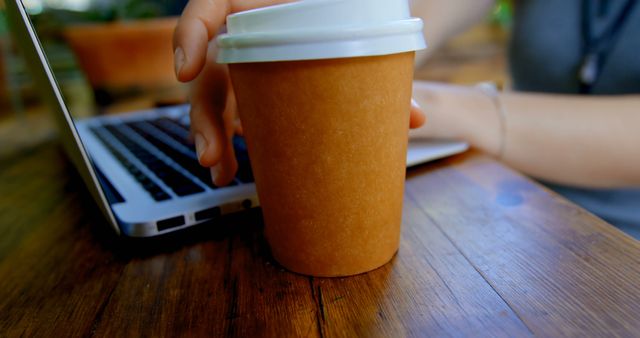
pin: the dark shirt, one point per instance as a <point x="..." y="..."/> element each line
<point x="546" y="52"/>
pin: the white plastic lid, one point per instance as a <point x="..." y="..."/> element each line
<point x="320" y="29"/>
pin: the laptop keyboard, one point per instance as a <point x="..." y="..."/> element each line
<point x="178" y="153"/>
<point x="156" y="192"/>
<point x="163" y="147"/>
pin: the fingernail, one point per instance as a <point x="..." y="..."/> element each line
<point x="201" y="145"/>
<point x="179" y="60"/>
<point x="414" y="103"/>
<point x="215" y="172"/>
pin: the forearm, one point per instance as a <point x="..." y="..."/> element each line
<point x="445" y="19"/>
<point x="576" y="140"/>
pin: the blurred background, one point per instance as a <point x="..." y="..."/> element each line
<point x="111" y="56"/>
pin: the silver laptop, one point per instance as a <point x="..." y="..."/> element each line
<point x="141" y="167"/>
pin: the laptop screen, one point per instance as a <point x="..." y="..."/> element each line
<point x="110" y="56"/>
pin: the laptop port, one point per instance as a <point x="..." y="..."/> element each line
<point x="207" y="214"/>
<point x="169" y="223"/>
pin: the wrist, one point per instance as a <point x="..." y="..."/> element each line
<point x="489" y="131"/>
<point x="458" y="112"/>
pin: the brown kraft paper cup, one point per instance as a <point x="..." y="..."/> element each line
<point x="327" y="141"/>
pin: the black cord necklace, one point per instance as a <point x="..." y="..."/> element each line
<point x="598" y="46"/>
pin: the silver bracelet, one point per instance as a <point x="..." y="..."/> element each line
<point x="490" y="89"/>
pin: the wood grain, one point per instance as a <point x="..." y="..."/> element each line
<point x="563" y="270"/>
<point x="429" y="288"/>
<point x="484" y="252"/>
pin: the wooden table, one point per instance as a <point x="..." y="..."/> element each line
<point x="485" y="252"/>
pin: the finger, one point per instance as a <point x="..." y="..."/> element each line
<point x="224" y="172"/>
<point x="238" y="128"/>
<point x="232" y="108"/>
<point x="199" y="23"/>
<point x="208" y="101"/>
<point x="417" y="117"/>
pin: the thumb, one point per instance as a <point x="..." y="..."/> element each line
<point x="199" y="24"/>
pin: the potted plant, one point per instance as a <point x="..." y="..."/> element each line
<point x="122" y="44"/>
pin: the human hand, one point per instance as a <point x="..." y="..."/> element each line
<point x="213" y="110"/>
<point x="214" y="117"/>
<point x="458" y="112"/>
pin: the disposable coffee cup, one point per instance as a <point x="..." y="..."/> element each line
<point x="323" y="90"/>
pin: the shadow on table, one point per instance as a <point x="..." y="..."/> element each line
<point x="242" y="224"/>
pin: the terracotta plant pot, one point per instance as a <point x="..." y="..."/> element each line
<point x="125" y="54"/>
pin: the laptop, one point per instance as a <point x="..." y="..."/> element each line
<point x="141" y="167"/>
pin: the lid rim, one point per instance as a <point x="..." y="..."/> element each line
<point x="399" y="27"/>
<point x="319" y="51"/>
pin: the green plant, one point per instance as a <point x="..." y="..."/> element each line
<point x="115" y="10"/>
<point x="107" y="11"/>
<point x="502" y="13"/>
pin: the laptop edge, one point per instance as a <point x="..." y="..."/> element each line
<point x="41" y="70"/>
